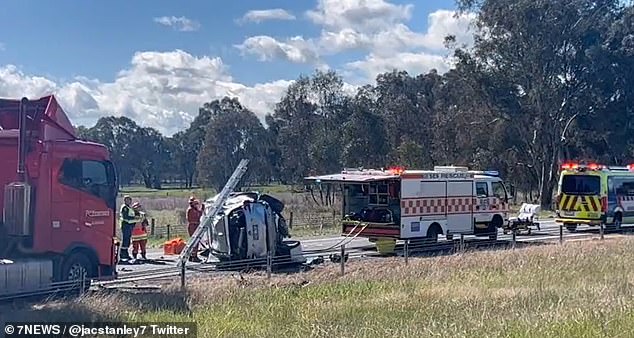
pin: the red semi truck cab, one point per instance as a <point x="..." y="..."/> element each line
<point x="59" y="199"/>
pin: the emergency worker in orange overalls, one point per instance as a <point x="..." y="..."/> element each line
<point x="194" y="213"/>
<point x="139" y="233"/>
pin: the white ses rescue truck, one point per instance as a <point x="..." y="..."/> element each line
<point x="386" y="205"/>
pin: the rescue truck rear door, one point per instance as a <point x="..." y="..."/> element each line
<point x="459" y="213"/>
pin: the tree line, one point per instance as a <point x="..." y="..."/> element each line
<point x="545" y="81"/>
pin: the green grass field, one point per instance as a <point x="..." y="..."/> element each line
<point x="579" y="289"/>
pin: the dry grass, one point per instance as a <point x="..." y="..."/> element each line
<point x="582" y="289"/>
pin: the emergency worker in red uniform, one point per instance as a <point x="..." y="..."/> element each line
<point x="139" y="233"/>
<point x="194" y="213"/>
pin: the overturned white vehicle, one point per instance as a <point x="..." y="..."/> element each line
<point x="252" y="225"/>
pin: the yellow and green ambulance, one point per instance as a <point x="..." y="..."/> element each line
<point x="593" y="194"/>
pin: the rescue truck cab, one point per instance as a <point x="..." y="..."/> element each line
<point x="58" y="221"/>
<point x="420" y="205"/>
<point x="594" y="194"/>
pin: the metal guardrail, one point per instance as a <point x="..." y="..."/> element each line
<point x="340" y="254"/>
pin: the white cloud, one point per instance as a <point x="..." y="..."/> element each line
<point x="345" y="39"/>
<point x="376" y="27"/>
<point x="14" y="83"/>
<point x="443" y="23"/>
<point x="182" y="23"/>
<point x="259" y="16"/>
<point x="413" y="63"/>
<point x="380" y="29"/>
<point x="160" y="89"/>
<point x="362" y="15"/>
<point x="267" y="48"/>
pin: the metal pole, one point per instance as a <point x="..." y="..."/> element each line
<point x="561" y="233"/>
<point x="183" y="276"/>
<point x="268" y="264"/>
<point x="461" y="243"/>
<point x="152" y="227"/>
<point x="343" y="262"/>
<point x="601" y="231"/>
<point x="22" y="140"/>
<point x="406" y="251"/>
<point x="290" y="221"/>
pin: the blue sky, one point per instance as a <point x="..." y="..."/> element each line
<point x="93" y="53"/>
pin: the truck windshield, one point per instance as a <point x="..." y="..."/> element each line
<point x="581" y="185"/>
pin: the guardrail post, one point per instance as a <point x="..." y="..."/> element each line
<point x="561" y="233"/>
<point x="269" y="264"/>
<point x="152" y="226"/>
<point x="343" y="261"/>
<point x="168" y="232"/>
<point x="601" y="230"/>
<point x="183" y="276"/>
<point x="290" y="221"/>
<point x="406" y="251"/>
<point x="514" y="236"/>
<point x="461" y="243"/>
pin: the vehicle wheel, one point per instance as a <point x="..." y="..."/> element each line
<point x="432" y="234"/>
<point x="76" y="267"/>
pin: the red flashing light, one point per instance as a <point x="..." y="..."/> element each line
<point x="630" y="167"/>
<point x="397" y="170"/>
<point x="569" y="166"/>
<point x="595" y="166"/>
<point x="591" y="166"/>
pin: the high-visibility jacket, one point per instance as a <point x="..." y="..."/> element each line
<point x="127" y="216"/>
<point x="140" y="228"/>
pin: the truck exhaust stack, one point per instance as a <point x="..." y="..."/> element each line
<point x="22" y="140"/>
<point x="17" y="195"/>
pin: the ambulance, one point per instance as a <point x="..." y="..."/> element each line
<point x="594" y="194"/>
<point x="398" y="204"/>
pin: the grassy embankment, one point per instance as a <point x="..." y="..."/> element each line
<point x="580" y="289"/>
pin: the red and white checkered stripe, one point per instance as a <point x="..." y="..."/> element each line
<point x="495" y="204"/>
<point x="626" y="198"/>
<point x="436" y="206"/>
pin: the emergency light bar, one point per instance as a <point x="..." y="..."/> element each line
<point x="361" y="171"/>
<point x="577" y="166"/>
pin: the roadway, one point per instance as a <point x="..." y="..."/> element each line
<point x="361" y="247"/>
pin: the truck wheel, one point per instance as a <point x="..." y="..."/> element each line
<point x="432" y="233"/>
<point x="76" y="267"/>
